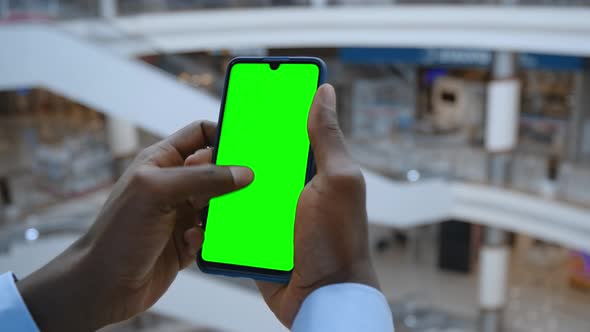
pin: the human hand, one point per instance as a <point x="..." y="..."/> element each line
<point x="331" y="244"/>
<point x="145" y="233"/>
<point x="331" y="241"/>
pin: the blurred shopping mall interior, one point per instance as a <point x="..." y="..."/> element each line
<point x="470" y="120"/>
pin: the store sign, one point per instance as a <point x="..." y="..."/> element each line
<point x="23" y="91"/>
<point x="454" y="58"/>
<point x="553" y="62"/>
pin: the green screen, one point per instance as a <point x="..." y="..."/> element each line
<point x="264" y="127"/>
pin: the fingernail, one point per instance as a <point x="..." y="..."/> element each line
<point x="328" y="96"/>
<point x="242" y="175"/>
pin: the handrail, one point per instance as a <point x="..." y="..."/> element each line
<point x="65" y="9"/>
<point x="538" y="29"/>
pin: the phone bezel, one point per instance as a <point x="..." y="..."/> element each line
<point x="242" y="270"/>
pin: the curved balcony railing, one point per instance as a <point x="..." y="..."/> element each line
<point x="65" y="9"/>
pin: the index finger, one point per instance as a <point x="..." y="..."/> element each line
<point x="193" y="137"/>
<point x="176" y="184"/>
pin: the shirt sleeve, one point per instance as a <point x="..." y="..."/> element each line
<point x="14" y="315"/>
<point x="345" y="307"/>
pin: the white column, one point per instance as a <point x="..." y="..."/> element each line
<point x="4" y="8"/>
<point x="503" y="98"/>
<point x="319" y="3"/>
<point x="579" y="112"/>
<point x="501" y="134"/>
<point x="493" y="272"/>
<point x="122" y="137"/>
<point x="107" y="8"/>
<point x="493" y="280"/>
<point x="53" y="8"/>
<point x="123" y="140"/>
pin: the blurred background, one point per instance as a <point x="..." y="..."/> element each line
<point x="471" y="120"/>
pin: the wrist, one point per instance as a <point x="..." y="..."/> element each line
<point x="361" y="272"/>
<point x="60" y="296"/>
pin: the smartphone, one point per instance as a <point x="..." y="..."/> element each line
<point x="262" y="125"/>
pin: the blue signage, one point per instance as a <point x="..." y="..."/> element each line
<point x="23" y="91"/>
<point x="454" y="58"/>
<point x="554" y="62"/>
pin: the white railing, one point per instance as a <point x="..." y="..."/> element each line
<point x="66" y="9"/>
<point x="519" y="29"/>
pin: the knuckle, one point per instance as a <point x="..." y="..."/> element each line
<point x="143" y="179"/>
<point x="145" y="153"/>
<point x="350" y="178"/>
<point x="213" y="177"/>
<point x="161" y="154"/>
<point x="333" y="130"/>
<point x="329" y="121"/>
<point x="196" y="125"/>
<point x="331" y="124"/>
<point x="220" y="176"/>
<point x="205" y="125"/>
<point x="165" y="148"/>
<point x="209" y="171"/>
<point x="329" y="118"/>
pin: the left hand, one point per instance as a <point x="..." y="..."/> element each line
<point x="145" y="233"/>
<point x="331" y="244"/>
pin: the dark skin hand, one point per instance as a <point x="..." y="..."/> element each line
<point x="145" y="233"/>
<point x="331" y="243"/>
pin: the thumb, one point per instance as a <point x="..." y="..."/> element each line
<point x="325" y="135"/>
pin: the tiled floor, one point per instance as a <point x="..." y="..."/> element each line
<point x="539" y="297"/>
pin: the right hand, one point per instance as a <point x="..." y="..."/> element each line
<point x="144" y="235"/>
<point x="331" y="244"/>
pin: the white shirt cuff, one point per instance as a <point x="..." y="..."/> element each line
<point x="14" y="314"/>
<point x="344" y="307"/>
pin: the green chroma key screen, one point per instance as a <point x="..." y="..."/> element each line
<point x="264" y="127"/>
